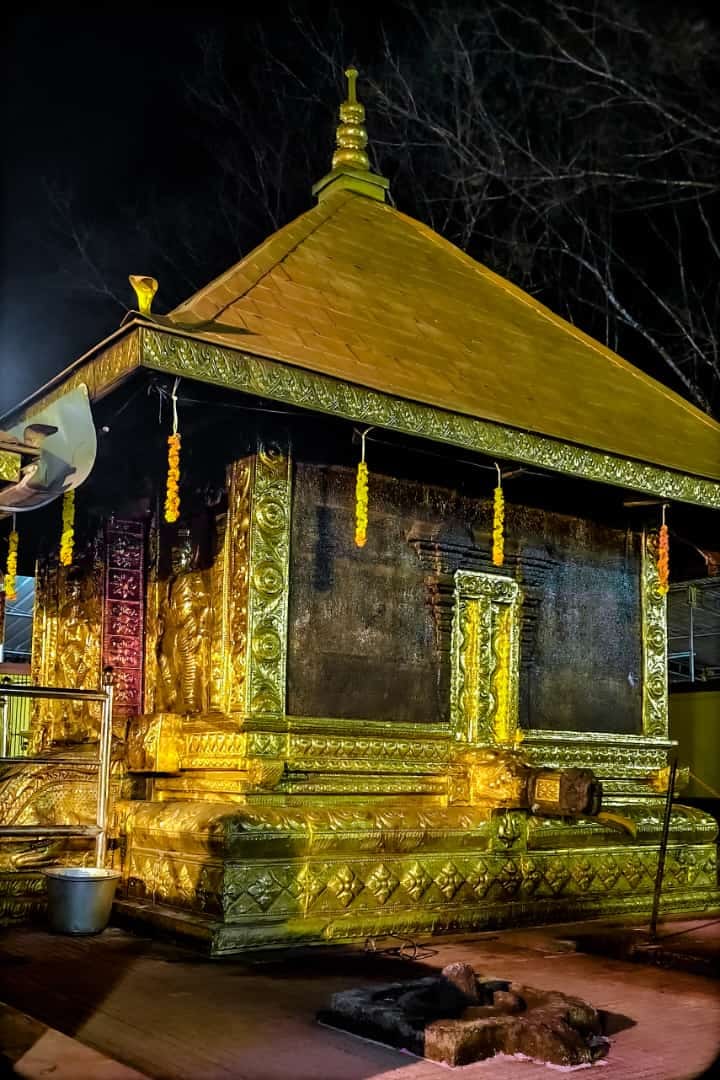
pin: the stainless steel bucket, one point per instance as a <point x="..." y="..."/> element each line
<point x="80" y="898"/>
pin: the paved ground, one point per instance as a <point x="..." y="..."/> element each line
<point x="175" y="1015"/>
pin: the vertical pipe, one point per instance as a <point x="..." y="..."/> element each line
<point x="691" y="643"/>
<point x="104" y="751"/>
<point x="663" y="848"/>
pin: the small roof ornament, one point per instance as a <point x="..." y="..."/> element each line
<point x="350" y="163"/>
<point x="351" y="137"/>
<point x="145" y="288"/>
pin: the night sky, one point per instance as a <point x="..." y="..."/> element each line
<point x="106" y="152"/>
<point x="99" y="126"/>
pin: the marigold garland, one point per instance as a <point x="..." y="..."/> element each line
<point x="361" y="504"/>
<point x="67" y="538"/>
<point x="172" y="492"/>
<point x="498" y="538"/>
<point x="663" y="560"/>
<point x="502" y="680"/>
<point x="11" y="566"/>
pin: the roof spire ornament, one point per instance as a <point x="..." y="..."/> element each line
<point x="350" y="163"/>
<point x="351" y="136"/>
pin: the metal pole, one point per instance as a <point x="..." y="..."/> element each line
<point x="663" y="849"/>
<point x="4" y="722"/>
<point x="103" y="788"/>
<point x="692" y="599"/>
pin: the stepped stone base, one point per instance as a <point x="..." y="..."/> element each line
<point x="237" y="877"/>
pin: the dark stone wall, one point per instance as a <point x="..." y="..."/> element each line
<point x="362" y="640"/>
<point x="585" y="668"/>
<point x="369" y="633"/>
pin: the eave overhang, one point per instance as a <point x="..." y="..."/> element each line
<point x="141" y="344"/>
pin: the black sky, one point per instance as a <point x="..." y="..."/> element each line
<point x="97" y="119"/>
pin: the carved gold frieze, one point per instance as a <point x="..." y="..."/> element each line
<point x="335" y="754"/>
<point x="408" y="886"/>
<point x="100" y="374"/>
<point x="294" y="385"/>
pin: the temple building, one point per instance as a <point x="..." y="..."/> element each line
<point x="372" y="541"/>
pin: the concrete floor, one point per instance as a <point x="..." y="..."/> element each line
<point x="175" y="1015"/>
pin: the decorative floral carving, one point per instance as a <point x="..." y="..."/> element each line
<point x="382" y="883"/>
<point x="345" y="884"/>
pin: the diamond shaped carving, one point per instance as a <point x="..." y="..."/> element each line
<point x="306" y="887"/>
<point x="449" y="880"/>
<point x="509" y="878"/>
<point x="382" y="883"/>
<point x="264" y="890"/>
<point x="634" y="873"/>
<point x="532" y="878"/>
<point x="582" y="872"/>
<point x="480" y="879"/>
<point x="345" y="884"/>
<point x="607" y="872"/>
<point x="416" y="881"/>
<point x="557" y="876"/>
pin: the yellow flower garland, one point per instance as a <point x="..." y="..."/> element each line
<point x="67" y="539"/>
<point x="663" y="560"/>
<point x="361" y="504"/>
<point x="498" y="539"/>
<point x="11" y="566"/>
<point x="502" y="679"/>
<point x="172" y="492"/>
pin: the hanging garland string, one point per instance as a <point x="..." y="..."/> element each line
<point x="172" y="490"/>
<point x="67" y="538"/>
<point x="498" y="536"/>
<point x="663" y="556"/>
<point x="361" y="497"/>
<point x="11" y="565"/>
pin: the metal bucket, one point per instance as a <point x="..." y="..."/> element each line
<point x="80" y="898"/>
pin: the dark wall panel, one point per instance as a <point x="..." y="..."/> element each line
<point x="370" y="628"/>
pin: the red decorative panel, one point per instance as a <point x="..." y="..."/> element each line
<point x="123" y="626"/>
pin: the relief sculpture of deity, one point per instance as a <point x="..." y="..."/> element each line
<point x="183" y="638"/>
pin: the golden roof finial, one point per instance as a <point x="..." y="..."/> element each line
<point x="351" y="136"/>
<point x="145" y="289"/>
<point x="350" y="164"/>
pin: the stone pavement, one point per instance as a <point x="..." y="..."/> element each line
<point x="175" y="1015"/>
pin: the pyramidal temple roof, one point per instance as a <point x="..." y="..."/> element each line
<point x="356" y="290"/>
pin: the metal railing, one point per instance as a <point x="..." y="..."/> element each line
<point x="102" y="763"/>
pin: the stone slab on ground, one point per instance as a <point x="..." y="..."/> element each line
<point x="176" y="1015"/>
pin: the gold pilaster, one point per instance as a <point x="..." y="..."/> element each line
<point x="485" y="659"/>
<point x="654" y="644"/>
<point x="268" y="581"/>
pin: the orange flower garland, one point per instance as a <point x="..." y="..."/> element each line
<point x="172" y="491"/>
<point x="11" y="565"/>
<point x="498" y="538"/>
<point x="67" y="539"/>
